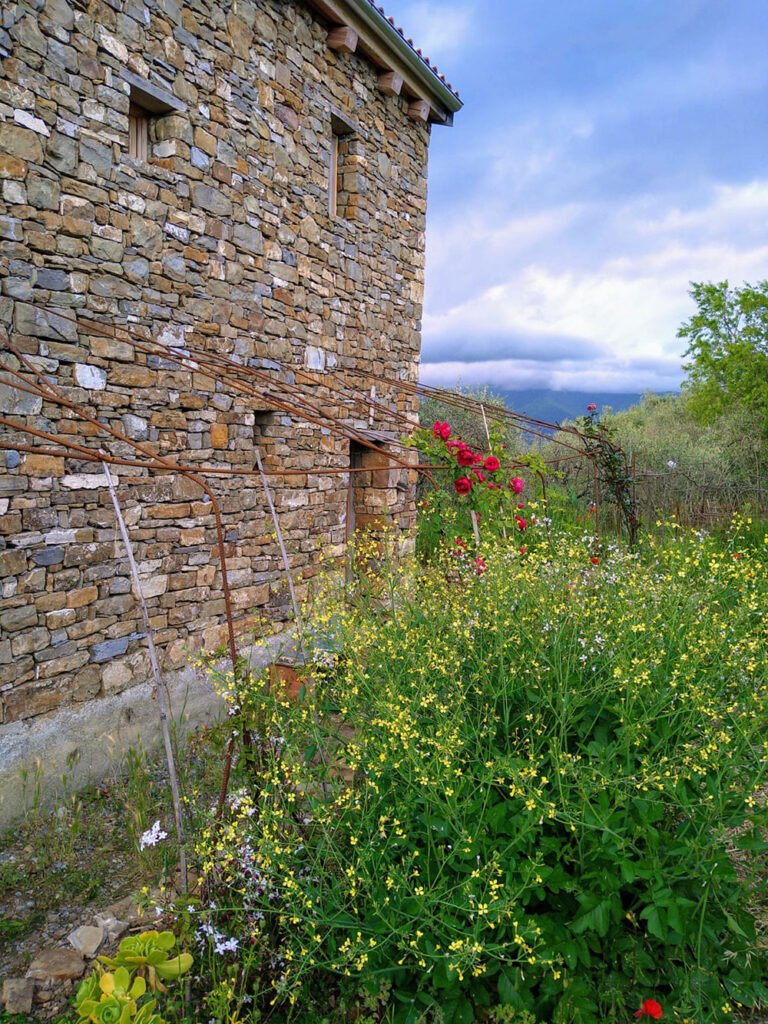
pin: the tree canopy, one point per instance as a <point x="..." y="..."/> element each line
<point x="727" y="350"/>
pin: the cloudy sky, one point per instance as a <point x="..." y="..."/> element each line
<point x="609" y="152"/>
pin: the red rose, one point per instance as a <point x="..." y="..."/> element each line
<point x="650" y="1008"/>
<point x="479" y="566"/>
<point x="442" y="430"/>
<point x="480" y="475"/>
<point x="477" y="458"/>
<point x="521" y="523"/>
<point x="463" y="485"/>
<point x="492" y="464"/>
<point x="591" y="407"/>
<point x="464" y="457"/>
<point x="595" y="560"/>
<point x="517" y="484"/>
<point x="460" y="543"/>
<point x="523" y="549"/>
<point x="520" y="504"/>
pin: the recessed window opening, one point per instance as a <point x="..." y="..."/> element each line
<point x="333" y="184"/>
<point x="148" y="102"/>
<point x="342" y="141"/>
<point x="138" y="132"/>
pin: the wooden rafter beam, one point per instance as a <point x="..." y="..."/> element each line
<point x="343" y="39"/>
<point x="390" y="83"/>
<point x="342" y="17"/>
<point x="419" y="110"/>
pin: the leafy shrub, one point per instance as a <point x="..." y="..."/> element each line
<point x="533" y="793"/>
<point x="700" y="473"/>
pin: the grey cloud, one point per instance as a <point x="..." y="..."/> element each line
<point x="475" y="347"/>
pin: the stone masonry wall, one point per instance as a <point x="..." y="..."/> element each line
<point x="222" y="239"/>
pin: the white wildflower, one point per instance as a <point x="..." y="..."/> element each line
<point x="152" y="836"/>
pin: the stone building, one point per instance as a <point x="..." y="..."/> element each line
<point x="245" y="179"/>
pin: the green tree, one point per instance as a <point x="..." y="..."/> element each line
<point x="727" y="350"/>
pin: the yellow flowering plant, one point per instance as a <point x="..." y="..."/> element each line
<point x="539" y="793"/>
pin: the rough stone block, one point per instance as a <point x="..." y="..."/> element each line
<point x="48" y="556"/>
<point x="53" y="280"/>
<point x="195" y="535"/>
<point x="13" y="563"/>
<point x="92" y="378"/>
<point x="30" y="640"/>
<point x="22" y="143"/>
<point x="86" y="481"/>
<point x="211" y="199"/>
<point x="19" y="403"/>
<point x="18" y="618"/>
<point x="18" y="994"/>
<point x="219" y="435"/>
<point x="154" y="586"/>
<point x="43" y="465"/>
<point x="87" y="939"/>
<point x="44" y="323"/>
<point x="56" y="964"/>
<point x="109" y="649"/>
<point x="27" y="120"/>
<point x="80" y="598"/>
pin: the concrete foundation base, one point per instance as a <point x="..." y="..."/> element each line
<point x="84" y="743"/>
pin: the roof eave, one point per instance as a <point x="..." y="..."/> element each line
<point x="392" y="51"/>
<point x="389" y="35"/>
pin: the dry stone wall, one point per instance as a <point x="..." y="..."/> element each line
<point x="221" y="239"/>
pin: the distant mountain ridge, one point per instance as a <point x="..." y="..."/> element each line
<point x="556" y="406"/>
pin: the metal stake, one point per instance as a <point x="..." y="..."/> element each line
<point x="281" y="541"/>
<point x="159" y="684"/>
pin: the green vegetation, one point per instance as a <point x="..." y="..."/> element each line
<point x="525" y="777"/>
<point x="728" y="351"/>
<point x="535" y="786"/>
<point x="142" y="964"/>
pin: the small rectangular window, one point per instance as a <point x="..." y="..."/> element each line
<point x="138" y="132"/>
<point x="333" y="178"/>
<point x="344" y="177"/>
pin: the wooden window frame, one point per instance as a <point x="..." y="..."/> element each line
<point x="138" y="132"/>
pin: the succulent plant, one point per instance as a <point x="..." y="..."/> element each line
<point x="112" y="996"/>
<point x="148" y="955"/>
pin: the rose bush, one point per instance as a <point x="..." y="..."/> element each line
<point x="470" y="481"/>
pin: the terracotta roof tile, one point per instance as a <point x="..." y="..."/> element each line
<point x="419" y="54"/>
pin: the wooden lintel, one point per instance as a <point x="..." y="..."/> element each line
<point x="419" y="110"/>
<point x="390" y="83"/>
<point x="343" y="39"/>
